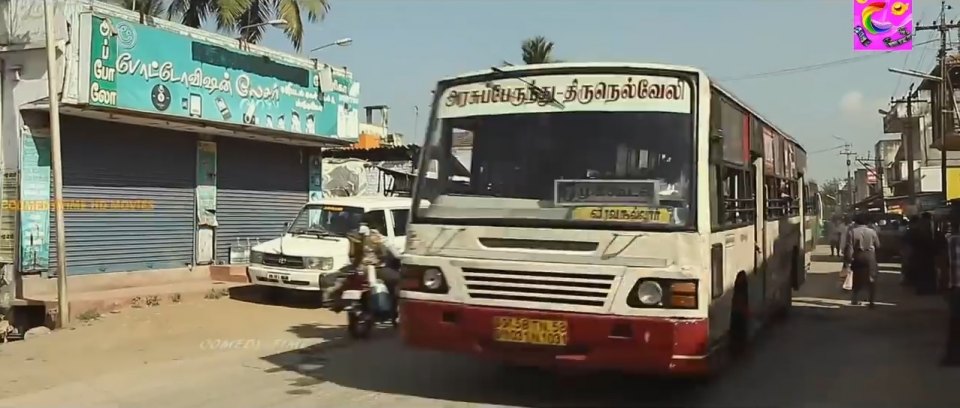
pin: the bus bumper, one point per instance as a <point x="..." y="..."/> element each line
<point x="641" y="345"/>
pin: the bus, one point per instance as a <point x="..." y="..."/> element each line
<point x="613" y="216"/>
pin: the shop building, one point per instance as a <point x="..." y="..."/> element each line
<point x="177" y="143"/>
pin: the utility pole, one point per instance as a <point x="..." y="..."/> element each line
<point x="941" y="119"/>
<point x="63" y="311"/>
<point x="848" y="153"/>
<point x="909" y="141"/>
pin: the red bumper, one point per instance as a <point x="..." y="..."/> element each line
<point x="596" y="342"/>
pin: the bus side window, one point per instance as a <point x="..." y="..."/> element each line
<point x="739" y="196"/>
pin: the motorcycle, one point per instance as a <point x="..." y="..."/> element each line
<point x="369" y="302"/>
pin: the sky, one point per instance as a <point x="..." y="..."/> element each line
<point x="401" y="48"/>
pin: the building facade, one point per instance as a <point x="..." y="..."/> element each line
<point x="177" y="144"/>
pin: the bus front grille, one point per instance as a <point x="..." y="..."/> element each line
<point x="562" y="288"/>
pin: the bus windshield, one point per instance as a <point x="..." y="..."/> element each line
<point x="568" y="153"/>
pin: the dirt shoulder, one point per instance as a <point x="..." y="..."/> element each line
<point x="151" y="335"/>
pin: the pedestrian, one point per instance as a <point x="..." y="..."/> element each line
<point x="923" y="253"/>
<point x="860" y="251"/>
<point x="951" y="356"/>
<point x="906" y="252"/>
<point x="834" y="232"/>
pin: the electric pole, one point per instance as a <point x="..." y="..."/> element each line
<point x="941" y="119"/>
<point x="848" y="153"/>
<point x="909" y="141"/>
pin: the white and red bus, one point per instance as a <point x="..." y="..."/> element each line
<point x="607" y="216"/>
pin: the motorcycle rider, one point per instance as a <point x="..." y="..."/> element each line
<point x="368" y="248"/>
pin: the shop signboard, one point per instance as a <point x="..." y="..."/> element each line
<point x="151" y="70"/>
<point x="35" y="203"/>
<point x="8" y="216"/>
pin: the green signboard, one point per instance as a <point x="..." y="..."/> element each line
<point x="147" y="69"/>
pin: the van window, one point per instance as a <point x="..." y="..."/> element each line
<point x="376" y="220"/>
<point x="400" y="222"/>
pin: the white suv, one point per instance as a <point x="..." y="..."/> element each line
<point x="315" y="245"/>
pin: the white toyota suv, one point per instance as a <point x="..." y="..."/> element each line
<point x="315" y="246"/>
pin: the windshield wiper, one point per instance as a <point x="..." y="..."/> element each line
<point x="320" y="232"/>
<point x="540" y="93"/>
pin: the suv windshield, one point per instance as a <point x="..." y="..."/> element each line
<point x="326" y="219"/>
<point x="598" y="156"/>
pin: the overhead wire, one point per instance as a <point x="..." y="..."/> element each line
<point x="828" y="150"/>
<point x="813" y="67"/>
<point x="906" y="60"/>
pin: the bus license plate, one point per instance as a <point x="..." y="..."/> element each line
<point x="278" y="276"/>
<point x="530" y="331"/>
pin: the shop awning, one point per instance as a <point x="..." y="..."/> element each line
<point x="196" y="126"/>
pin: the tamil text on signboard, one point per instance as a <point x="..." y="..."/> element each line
<point x="548" y="93"/>
<point x="606" y="192"/>
<point x="148" y="69"/>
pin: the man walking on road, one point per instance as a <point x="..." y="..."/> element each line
<point x="923" y="251"/>
<point x="952" y="355"/>
<point x="860" y="251"/>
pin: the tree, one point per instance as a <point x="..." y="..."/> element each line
<point x="231" y="15"/>
<point x="152" y="8"/>
<point x="537" y="50"/>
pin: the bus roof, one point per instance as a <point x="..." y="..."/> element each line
<point x="681" y="68"/>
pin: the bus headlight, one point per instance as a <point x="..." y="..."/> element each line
<point x="321" y="263"/>
<point x="428" y="279"/>
<point x="432" y="279"/>
<point x="663" y="293"/>
<point x="649" y="293"/>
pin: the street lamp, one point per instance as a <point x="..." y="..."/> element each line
<point x="278" y="23"/>
<point x="913" y="73"/>
<point x="343" y="42"/>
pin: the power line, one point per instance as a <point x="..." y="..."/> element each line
<point x="806" y="68"/>
<point x="828" y="150"/>
<point x="906" y="60"/>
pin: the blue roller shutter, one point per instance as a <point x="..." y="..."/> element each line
<point x="110" y="161"/>
<point x="260" y="186"/>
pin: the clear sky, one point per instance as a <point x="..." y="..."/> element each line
<point x="401" y="48"/>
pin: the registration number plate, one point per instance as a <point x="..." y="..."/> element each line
<point x="530" y="331"/>
<point x="277" y="276"/>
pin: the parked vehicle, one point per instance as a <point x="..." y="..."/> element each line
<point x="314" y="249"/>
<point x="890" y="228"/>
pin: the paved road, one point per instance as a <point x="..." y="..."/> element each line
<point x="827" y="354"/>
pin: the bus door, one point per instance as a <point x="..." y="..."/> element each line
<point x="759" y="230"/>
<point x="801" y="262"/>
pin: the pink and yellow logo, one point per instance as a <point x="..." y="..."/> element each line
<point x="882" y="25"/>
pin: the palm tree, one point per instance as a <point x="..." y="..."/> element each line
<point x="231" y="15"/>
<point x="152" y="8"/>
<point x="537" y="50"/>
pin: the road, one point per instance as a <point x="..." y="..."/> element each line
<point x="239" y="353"/>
